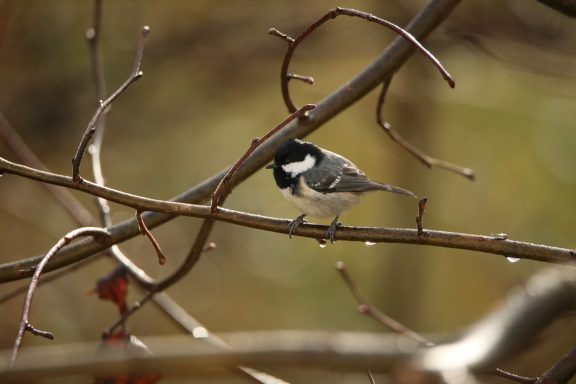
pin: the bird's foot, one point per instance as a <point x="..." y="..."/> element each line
<point x="295" y="224"/>
<point x="331" y="233"/>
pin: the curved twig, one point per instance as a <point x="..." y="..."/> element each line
<point x="24" y="322"/>
<point x="410" y="148"/>
<point x="293" y="43"/>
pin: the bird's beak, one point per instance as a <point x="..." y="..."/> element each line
<point x="270" y="166"/>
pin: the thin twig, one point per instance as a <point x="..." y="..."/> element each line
<point x="420" y="216"/>
<point x="148" y="234"/>
<point x="367" y="309"/>
<point x="24" y="322"/>
<point x="223" y="188"/>
<point x="293" y="43"/>
<point x="103" y="105"/>
<point x="407" y="146"/>
<point x="193" y="256"/>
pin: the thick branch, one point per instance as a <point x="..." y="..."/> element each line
<point x="489" y="244"/>
<point x="123" y="231"/>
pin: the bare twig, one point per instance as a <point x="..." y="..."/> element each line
<point x="562" y="371"/>
<point x="417" y="153"/>
<point x="513" y="377"/>
<point x="103" y="105"/>
<point x="193" y="256"/>
<point x="223" y="188"/>
<point x="420" y="216"/>
<point x="24" y="322"/>
<point x="367" y="309"/>
<point x="148" y="234"/>
<point x="293" y="43"/>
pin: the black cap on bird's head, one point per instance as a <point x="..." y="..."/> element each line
<point x="293" y="151"/>
<point x="293" y="158"/>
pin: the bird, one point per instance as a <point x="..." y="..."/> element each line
<point x="321" y="183"/>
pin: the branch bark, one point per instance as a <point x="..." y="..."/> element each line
<point x="489" y="244"/>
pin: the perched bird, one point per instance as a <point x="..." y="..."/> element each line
<point x="321" y="183"/>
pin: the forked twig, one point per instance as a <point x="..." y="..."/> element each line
<point x="293" y="43"/>
<point x="103" y="105"/>
<point x="222" y="190"/>
<point x="24" y="322"/>
<point x="417" y="153"/>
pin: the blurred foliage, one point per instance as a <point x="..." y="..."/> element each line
<point x="211" y="85"/>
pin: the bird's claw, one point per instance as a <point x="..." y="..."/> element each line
<point x="294" y="224"/>
<point x="331" y="233"/>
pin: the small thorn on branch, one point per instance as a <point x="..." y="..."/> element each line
<point x="283" y="36"/>
<point x="39" y="332"/>
<point x="420" y="217"/>
<point x="146" y="232"/>
<point x="305" y="79"/>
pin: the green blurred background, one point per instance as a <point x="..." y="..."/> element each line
<point x="211" y="85"/>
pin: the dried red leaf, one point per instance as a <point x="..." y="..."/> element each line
<point x="114" y="287"/>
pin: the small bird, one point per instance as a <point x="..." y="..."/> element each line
<point x="321" y="183"/>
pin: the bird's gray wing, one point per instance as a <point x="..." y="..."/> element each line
<point x="338" y="174"/>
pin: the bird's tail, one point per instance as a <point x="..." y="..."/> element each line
<point x="391" y="188"/>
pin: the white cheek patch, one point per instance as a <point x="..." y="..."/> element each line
<point x="296" y="168"/>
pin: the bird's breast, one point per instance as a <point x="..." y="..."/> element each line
<point x="317" y="204"/>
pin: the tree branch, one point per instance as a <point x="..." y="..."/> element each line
<point x="407" y="146"/>
<point x="293" y="43"/>
<point x="103" y="105"/>
<point x="24" y="322"/>
<point x="488" y="244"/>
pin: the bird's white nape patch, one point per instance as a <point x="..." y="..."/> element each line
<point x="298" y="167"/>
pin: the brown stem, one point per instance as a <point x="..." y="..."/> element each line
<point x="148" y="234"/>
<point x="24" y="322"/>
<point x="293" y="43"/>
<point x="407" y="146"/>
<point x="103" y="105"/>
<point x="223" y="188"/>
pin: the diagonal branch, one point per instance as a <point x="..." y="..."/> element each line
<point x="293" y="43"/>
<point x="223" y="189"/>
<point x="104" y="104"/>
<point x="410" y="148"/>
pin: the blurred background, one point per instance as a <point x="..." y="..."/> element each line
<point x="211" y="84"/>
